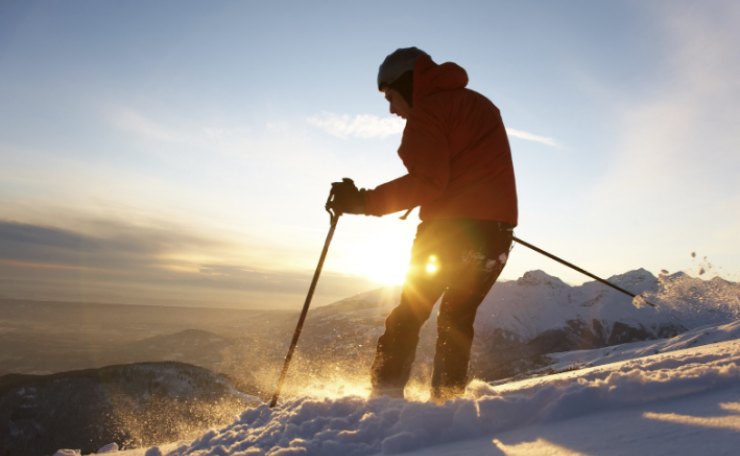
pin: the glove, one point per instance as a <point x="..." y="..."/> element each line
<point x="346" y="198"/>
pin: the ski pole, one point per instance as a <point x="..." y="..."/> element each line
<point x="334" y="217"/>
<point x="582" y="271"/>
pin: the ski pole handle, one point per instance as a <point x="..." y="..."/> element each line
<point x="329" y="206"/>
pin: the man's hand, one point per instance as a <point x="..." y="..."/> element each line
<point x="346" y="198"/>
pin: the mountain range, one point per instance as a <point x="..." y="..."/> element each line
<point x="522" y="321"/>
<point x="522" y="329"/>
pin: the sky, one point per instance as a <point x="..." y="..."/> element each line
<point x="180" y="152"/>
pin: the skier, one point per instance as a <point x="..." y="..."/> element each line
<point x="460" y="173"/>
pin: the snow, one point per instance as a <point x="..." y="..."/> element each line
<point x="684" y="401"/>
<point x="699" y="336"/>
<point x="538" y="302"/>
<point x="677" y="396"/>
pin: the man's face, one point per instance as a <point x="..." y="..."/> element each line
<point x="398" y="104"/>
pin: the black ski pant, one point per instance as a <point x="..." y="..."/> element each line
<point x="458" y="260"/>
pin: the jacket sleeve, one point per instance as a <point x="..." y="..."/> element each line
<point x="425" y="153"/>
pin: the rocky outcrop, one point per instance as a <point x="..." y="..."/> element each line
<point x="131" y="405"/>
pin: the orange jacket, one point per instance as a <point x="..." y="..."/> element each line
<point x="456" y="151"/>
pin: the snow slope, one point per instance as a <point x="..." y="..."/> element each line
<point x="700" y="336"/>
<point x="683" y="402"/>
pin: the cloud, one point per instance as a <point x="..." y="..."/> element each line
<point x="111" y="245"/>
<point x="119" y="262"/>
<point x="532" y="137"/>
<point x="365" y="126"/>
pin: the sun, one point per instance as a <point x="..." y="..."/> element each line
<point x="383" y="260"/>
<point x="384" y="267"/>
<point x="379" y="252"/>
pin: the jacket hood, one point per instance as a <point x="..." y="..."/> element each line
<point x="430" y="77"/>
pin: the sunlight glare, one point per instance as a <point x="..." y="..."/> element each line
<point x="385" y="271"/>
<point x="432" y="265"/>
<point x="730" y="406"/>
<point x="539" y="446"/>
<point x="382" y="256"/>
<point x="731" y="422"/>
<point x="335" y="388"/>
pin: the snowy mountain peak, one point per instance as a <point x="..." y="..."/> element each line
<point x="637" y="280"/>
<point x="676" y="275"/>
<point x="539" y="277"/>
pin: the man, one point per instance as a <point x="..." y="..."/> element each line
<point x="460" y="173"/>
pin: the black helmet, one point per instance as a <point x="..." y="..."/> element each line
<point x="396" y="64"/>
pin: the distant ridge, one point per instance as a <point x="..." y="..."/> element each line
<point x="89" y="408"/>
